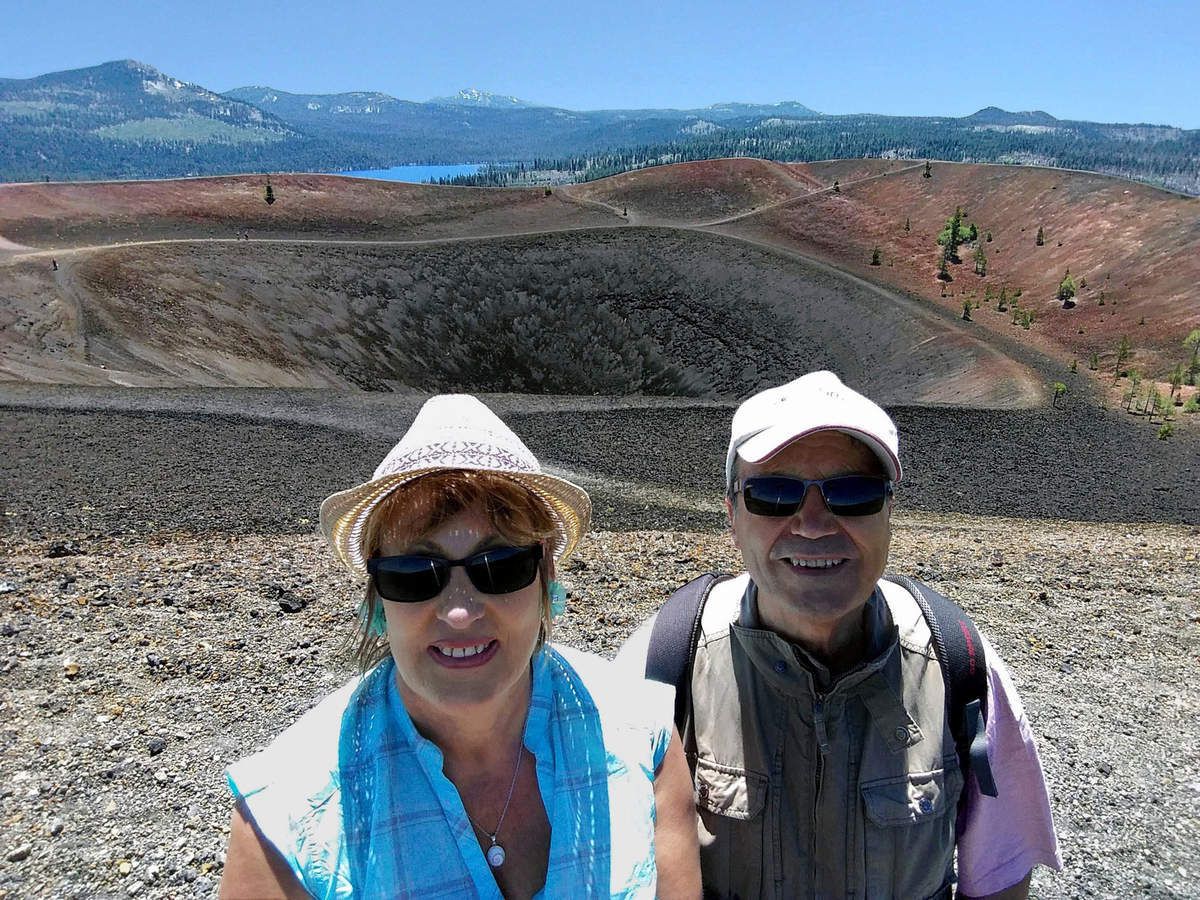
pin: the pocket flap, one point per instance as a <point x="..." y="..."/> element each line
<point x="913" y="798"/>
<point x="728" y="791"/>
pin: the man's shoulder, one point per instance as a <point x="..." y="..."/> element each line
<point x="912" y="628"/>
<point x="723" y="606"/>
<point x="720" y="609"/>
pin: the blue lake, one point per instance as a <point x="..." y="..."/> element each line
<point x="418" y="174"/>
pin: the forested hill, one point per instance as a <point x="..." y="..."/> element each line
<point x="128" y="120"/>
<point x="1159" y="155"/>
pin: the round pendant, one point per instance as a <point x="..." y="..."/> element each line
<point x="495" y="856"/>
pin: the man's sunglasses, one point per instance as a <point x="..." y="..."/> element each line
<point x="414" y="578"/>
<point x="782" y="495"/>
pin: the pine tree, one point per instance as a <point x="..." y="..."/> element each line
<point x="1041" y="237"/>
<point x="1192" y="342"/>
<point x="980" y="261"/>
<point x="875" y="256"/>
<point x="907" y="225"/>
<point x="1123" y="352"/>
<point x="953" y="239"/>
<point x="837" y="188"/>
<point x="269" y="196"/>
<point x="927" y="172"/>
<point x="1177" y="375"/>
<point x="1066" y="288"/>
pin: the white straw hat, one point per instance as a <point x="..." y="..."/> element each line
<point x="453" y="432"/>
<point x="765" y="423"/>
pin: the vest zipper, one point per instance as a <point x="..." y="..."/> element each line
<point x="818" y="773"/>
<point x="819" y="723"/>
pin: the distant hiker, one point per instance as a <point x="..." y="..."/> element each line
<point x="846" y="733"/>
<point x="53" y="265"/>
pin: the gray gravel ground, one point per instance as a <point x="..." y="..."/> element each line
<point x="148" y="560"/>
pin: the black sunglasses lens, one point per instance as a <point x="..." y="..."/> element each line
<point x="855" y="495"/>
<point x="412" y="579"/>
<point x="409" y="579"/>
<point x="504" y="569"/>
<point x="772" y="496"/>
<point x="847" y="495"/>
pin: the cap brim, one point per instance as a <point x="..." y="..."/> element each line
<point x="770" y="441"/>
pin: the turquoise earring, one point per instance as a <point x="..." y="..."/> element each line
<point x="376" y="626"/>
<point x="558" y="599"/>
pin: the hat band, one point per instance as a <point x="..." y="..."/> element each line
<point x="458" y="455"/>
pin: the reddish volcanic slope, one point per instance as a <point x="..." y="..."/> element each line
<point x="1134" y="250"/>
<point x="1134" y="247"/>
<point x="66" y="215"/>
<point x="696" y="192"/>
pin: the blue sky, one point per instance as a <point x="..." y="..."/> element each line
<point x="1102" y="61"/>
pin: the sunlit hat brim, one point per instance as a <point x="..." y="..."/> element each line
<point x="344" y="515"/>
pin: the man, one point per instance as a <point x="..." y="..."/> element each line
<point x="817" y="724"/>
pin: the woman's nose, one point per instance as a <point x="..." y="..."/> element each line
<point x="459" y="604"/>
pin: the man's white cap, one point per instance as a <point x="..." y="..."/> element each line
<point x="765" y="423"/>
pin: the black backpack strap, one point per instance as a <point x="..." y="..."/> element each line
<point x="960" y="654"/>
<point x="673" y="640"/>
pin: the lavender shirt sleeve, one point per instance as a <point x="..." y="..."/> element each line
<point x="1001" y="839"/>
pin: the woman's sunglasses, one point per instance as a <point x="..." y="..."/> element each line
<point x="782" y="495"/>
<point x="413" y="578"/>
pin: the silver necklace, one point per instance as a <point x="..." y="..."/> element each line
<point x="495" y="853"/>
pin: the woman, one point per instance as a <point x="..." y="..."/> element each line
<point x="472" y="759"/>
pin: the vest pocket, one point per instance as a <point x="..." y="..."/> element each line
<point x="732" y="830"/>
<point x="728" y="791"/>
<point x="909" y="832"/>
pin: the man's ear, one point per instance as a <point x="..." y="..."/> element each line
<point x="729" y="516"/>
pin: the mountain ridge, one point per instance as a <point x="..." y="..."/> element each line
<point x="127" y="119"/>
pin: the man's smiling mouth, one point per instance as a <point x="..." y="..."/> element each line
<point x="829" y="563"/>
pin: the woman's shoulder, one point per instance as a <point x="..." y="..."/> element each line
<point x="304" y="756"/>
<point x="291" y="789"/>
<point x="619" y="694"/>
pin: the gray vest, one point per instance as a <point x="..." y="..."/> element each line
<point x="849" y="791"/>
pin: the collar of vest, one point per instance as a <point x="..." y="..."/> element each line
<point x="770" y="648"/>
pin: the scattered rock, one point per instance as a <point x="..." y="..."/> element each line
<point x="20" y="854"/>
<point x="156" y="746"/>
<point x="288" y="601"/>
<point x="68" y="548"/>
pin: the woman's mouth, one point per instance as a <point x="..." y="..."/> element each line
<point x="460" y="655"/>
